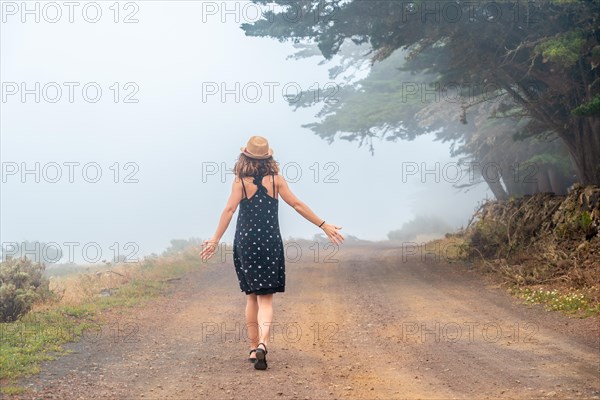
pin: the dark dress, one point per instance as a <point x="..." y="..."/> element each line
<point x="258" y="254"/>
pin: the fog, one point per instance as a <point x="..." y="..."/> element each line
<point x="162" y="142"/>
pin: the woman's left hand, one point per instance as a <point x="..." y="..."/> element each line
<point x="208" y="248"/>
<point x="332" y="233"/>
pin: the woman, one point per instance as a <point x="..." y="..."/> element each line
<point x="257" y="247"/>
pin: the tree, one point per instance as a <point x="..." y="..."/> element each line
<point x="544" y="55"/>
<point x="392" y="103"/>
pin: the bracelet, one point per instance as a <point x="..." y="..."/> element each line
<point x="321" y="224"/>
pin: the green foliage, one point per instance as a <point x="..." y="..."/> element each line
<point x="22" y="283"/>
<point x="543" y="240"/>
<point x="488" y="239"/>
<point x="576" y="224"/>
<point x="498" y="54"/>
<point x="551" y="159"/>
<point x="554" y="300"/>
<point x="37" y="336"/>
<point x="136" y="292"/>
<point x="11" y="390"/>
<point x="383" y="104"/>
<point x="31" y="339"/>
<point x="588" y="109"/>
<point x="586" y="222"/>
<point x="564" y="49"/>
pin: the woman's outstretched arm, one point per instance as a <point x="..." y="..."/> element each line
<point x="286" y="194"/>
<point x="210" y="245"/>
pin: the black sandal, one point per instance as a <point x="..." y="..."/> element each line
<point x="261" y="359"/>
<point x="252" y="359"/>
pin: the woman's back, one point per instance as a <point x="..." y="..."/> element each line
<point x="269" y="182"/>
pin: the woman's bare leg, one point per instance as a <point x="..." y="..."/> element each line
<point x="265" y="315"/>
<point x="252" y="321"/>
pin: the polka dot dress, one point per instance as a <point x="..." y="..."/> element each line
<point x="258" y="254"/>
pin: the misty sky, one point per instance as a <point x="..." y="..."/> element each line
<point x="171" y="134"/>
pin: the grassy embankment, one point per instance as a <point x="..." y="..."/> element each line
<point x="544" y="248"/>
<point x="77" y="310"/>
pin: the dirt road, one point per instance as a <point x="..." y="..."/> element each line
<point x="369" y="326"/>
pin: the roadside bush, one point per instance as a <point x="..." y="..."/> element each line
<point x="22" y="283"/>
<point x="487" y="239"/>
<point x="541" y="239"/>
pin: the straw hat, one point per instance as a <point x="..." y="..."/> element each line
<point x="257" y="147"/>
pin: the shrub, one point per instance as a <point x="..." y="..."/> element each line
<point x="488" y="239"/>
<point x="22" y="283"/>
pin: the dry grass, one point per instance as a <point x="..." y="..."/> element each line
<point x="452" y="248"/>
<point x="79" y="296"/>
<point x="85" y="287"/>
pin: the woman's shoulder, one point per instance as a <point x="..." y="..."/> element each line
<point x="240" y="180"/>
<point x="250" y="178"/>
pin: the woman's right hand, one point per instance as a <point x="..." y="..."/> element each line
<point x="208" y="249"/>
<point x="332" y="233"/>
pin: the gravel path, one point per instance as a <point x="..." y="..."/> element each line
<point x="369" y="326"/>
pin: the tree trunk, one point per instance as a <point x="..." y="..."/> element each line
<point x="508" y="178"/>
<point x="496" y="187"/>
<point x="583" y="142"/>
<point x="543" y="183"/>
<point x="557" y="181"/>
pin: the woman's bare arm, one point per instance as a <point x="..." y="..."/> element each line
<point x="286" y="194"/>
<point x="210" y="245"/>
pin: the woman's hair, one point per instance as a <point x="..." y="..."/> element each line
<point x="246" y="166"/>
